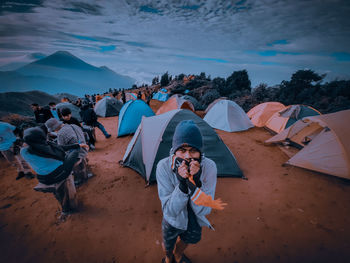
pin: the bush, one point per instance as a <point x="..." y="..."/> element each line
<point x="209" y="97"/>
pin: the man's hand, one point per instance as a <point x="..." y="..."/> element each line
<point x="83" y="145"/>
<point x="183" y="170"/>
<point x="194" y="167"/>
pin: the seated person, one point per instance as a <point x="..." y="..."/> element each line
<point x="50" y="161"/>
<point x="9" y="148"/>
<point x="69" y="134"/>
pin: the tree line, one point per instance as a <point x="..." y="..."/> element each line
<point x="305" y="87"/>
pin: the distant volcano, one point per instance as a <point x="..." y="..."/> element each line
<point x="63" y="72"/>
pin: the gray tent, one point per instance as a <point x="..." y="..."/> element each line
<point x="196" y="104"/>
<point x="108" y="107"/>
<point x="153" y="139"/>
<point x="74" y="109"/>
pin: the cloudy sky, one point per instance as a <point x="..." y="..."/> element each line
<point x="270" y="39"/>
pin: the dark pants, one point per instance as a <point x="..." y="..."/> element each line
<point x="102" y="128"/>
<point x="192" y="235"/>
<point x="63" y="171"/>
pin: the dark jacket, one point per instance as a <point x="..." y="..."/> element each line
<point x="38" y="146"/>
<point x="89" y="116"/>
<point x="42" y="115"/>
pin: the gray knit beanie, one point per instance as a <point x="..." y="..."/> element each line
<point x="187" y="133"/>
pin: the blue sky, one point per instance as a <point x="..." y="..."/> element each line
<point x="270" y="39"/>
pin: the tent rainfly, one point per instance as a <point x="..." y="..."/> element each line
<point x="74" y="109"/>
<point x="153" y="140"/>
<point x="130" y="116"/>
<point x="160" y="96"/>
<point x="213" y="103"/>
<point x="261" y="113"/>
<point x="283" y="119"/>
<point x="228" y="116"/>
<point x="175" y="102"/>
<point x="108" y="107"/>
<point x="325" y="143"/>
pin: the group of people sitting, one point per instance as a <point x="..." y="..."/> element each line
<point x="56" y="149"/>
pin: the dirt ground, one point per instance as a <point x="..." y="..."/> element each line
<point x="280" y="214"/>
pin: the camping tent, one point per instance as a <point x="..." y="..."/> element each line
<point x="130" y="96"/>
<point x="325" y="143"/>
<point x="74" y="109"/>
<point x="153" y="140"/>
<point x="213" y="103"/>
<point x="228" y="116"/>
<point x="130" y="116"/>
<point x="160" y="96"/>
<point x="194" y="101"/>
<point x="261" y="113"/>
<point x="175" y="102"/>
<point x="283" y="119"/>
<point x="108" y="107"/>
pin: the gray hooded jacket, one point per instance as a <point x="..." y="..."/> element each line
<point x="174" y="201"/>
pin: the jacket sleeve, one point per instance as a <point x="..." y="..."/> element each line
<point x="70" y="146"/>
<point x="173" y="200"/>
<point x="208" y="178"/>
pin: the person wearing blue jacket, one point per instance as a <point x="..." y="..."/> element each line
<point x="50" y="161"/>
<point x="186" y="183"/>
<point x="9" y="147"/>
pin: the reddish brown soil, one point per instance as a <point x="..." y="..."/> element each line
<point x="281" y="214"/>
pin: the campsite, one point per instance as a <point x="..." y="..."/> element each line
<point x="279" y="214"/>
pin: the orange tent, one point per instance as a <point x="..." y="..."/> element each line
<point x="261" y="113"/>
<point x="175" y="102"/>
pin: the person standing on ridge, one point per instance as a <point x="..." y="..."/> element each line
<point x="186" y="183"/>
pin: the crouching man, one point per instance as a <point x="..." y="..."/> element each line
<point x="186" y="186"/>
<point x="51" y="163"/>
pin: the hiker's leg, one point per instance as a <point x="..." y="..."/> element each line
<point x="168" y="255"/>
<point x="9" y="156"/>
<point x="102" y="128"/>
<point x="63" y="198"/>
<point x="71" y="159"/>
<point x="192" y="235"/>
<point x="179" y="249"/>
<point x="170" y="235"/>
<point x="22" y="164"/>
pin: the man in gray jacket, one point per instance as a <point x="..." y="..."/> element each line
<point x="186" y="186"/>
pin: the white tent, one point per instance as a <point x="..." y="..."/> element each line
<point x="325" y="143"/>
<point x="228" y="116"/>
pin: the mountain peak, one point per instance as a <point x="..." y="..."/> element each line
<point x="64" y="59"/>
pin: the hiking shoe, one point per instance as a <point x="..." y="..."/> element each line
<point x="108" y="136"/>
<point x="89" y="175"/>
<point x="20" y="175"/>
<point x="29" y="175"/>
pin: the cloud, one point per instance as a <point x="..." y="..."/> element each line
<point x="19" y="6"/>
<point x="269" y="38"/>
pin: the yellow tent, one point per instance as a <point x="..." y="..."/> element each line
<point x="325" y="143"/>
<point x="261" y="113"/>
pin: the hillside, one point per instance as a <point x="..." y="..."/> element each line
<point x="63" y="72"/>
<point x="19" y="102"/>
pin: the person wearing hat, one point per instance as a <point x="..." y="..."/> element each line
<point x="186" y="183"/>
<point x="68" y="119"/>
<point x="9" y="148"/>
<point x="50" y="161"/>
<point x="70" y="134"/>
